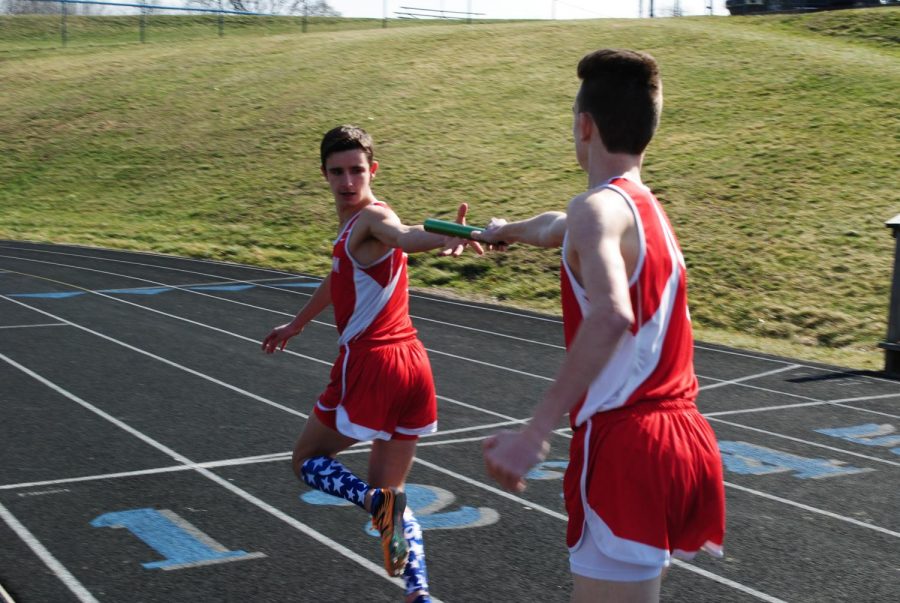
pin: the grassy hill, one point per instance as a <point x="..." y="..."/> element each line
<point x="777" y="157"/>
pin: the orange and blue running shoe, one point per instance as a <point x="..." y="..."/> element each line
<point x="387" y="518"/>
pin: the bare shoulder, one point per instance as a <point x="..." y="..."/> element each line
<point x="376" y="212"/>
<point x="598" y="211"/>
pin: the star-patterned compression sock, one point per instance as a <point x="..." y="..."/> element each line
<point x="331" y="477"/>
<point x="415" y="575"/>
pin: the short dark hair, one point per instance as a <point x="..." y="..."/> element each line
<point x="346" y="138"/>
<point x="622" y="91"/>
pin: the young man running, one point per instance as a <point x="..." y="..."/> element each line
<point x="381" y="385"/>
<point x="644" y="479"/>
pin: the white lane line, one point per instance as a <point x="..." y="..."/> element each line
<point x="171" y="363"/>
<point x="231" y="301"/>
<point x="298" y="525"/>
<point x="480" y="409"/>
<point x="778" y="361"/>
<point x="5" y="596"/>
<point x="221" y="280"/>
<point x="727" y="582"/>
<point x="302" y="356"/>
<point x="749" y="377"/>
<point x="868" y="410"/>
<point x="251" y="460"/>
<point x="493" y="490"/>
<point x="285" y="274"/>
<point x="802" y="441"/>
<point x="36" y="326"/>
<point x="213" y="379"/>
<point x="486" y="332"/>
<point x="482" y="363"/>
<point x="816" y="510"/>
<point x="563" y="517"/>
<point x="814" y="402"/>
<point x="741" y="382"/>
<point x="321" y="362"/>
<point x="263" y="285"/>
<point x="47" y="557"/>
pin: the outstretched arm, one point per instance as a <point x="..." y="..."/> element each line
<point x="543" y="230"/>
<point x="279" y="336"/>
<point x="385" y="226"/>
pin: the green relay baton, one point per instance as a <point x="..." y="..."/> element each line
<point x="451" y="229"/>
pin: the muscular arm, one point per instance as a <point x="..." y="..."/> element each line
<point x="543" y="230"/>
<point x="595" y="235"/>
<point x="596" y="226"/>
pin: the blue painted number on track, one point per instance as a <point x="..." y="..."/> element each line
<point x="425" y="501"/>
<point x="750" y="459"/>
<point x="870" y="434"/>
<point x="174" y="538"/>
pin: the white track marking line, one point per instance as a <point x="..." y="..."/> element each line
<point x="36" y="326"/>
<point x="263" y="285"/>
<point x="749" y="377"/>
<point x="493" y="490"/>
<point x="814" y="402"/>
<point x="47" y="557"/>
<point x="171" y="363"/>
<point x="486" y="411"/>
<point x="816" y="510"/>
<point x="5" y="596"/>
<point x="785" y="368"/>
<point x="320" y="361"/>
<point x="213" y="379"/>
<point x="496" y="366"/>
<point x="248" y="460"/>
<point x="868" y="410"/>
<point x="221" y="280"/>
<point x="286" y="351"/>
<point x="231" y="301"/>
<point x="779" y="361"/>
<point x="286" y="274"/>
<point x="298" y="525"/>
<point x="741" y="382"/>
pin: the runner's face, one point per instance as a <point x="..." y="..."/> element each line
<point x="349" y="175"/>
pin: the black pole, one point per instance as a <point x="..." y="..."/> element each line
<point x="221" y="21"/>
<point x="891" y="347"/>
<point x="143" y="25"/>
<point x="384" y="17"/>
<point x="651" y="9"/>
<point x="305" y="14"/>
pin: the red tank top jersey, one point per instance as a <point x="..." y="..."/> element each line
<point x="655" y="358"/>
<point x="371" y="303"/>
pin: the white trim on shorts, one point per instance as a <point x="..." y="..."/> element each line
<point x="586" y="559"/>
